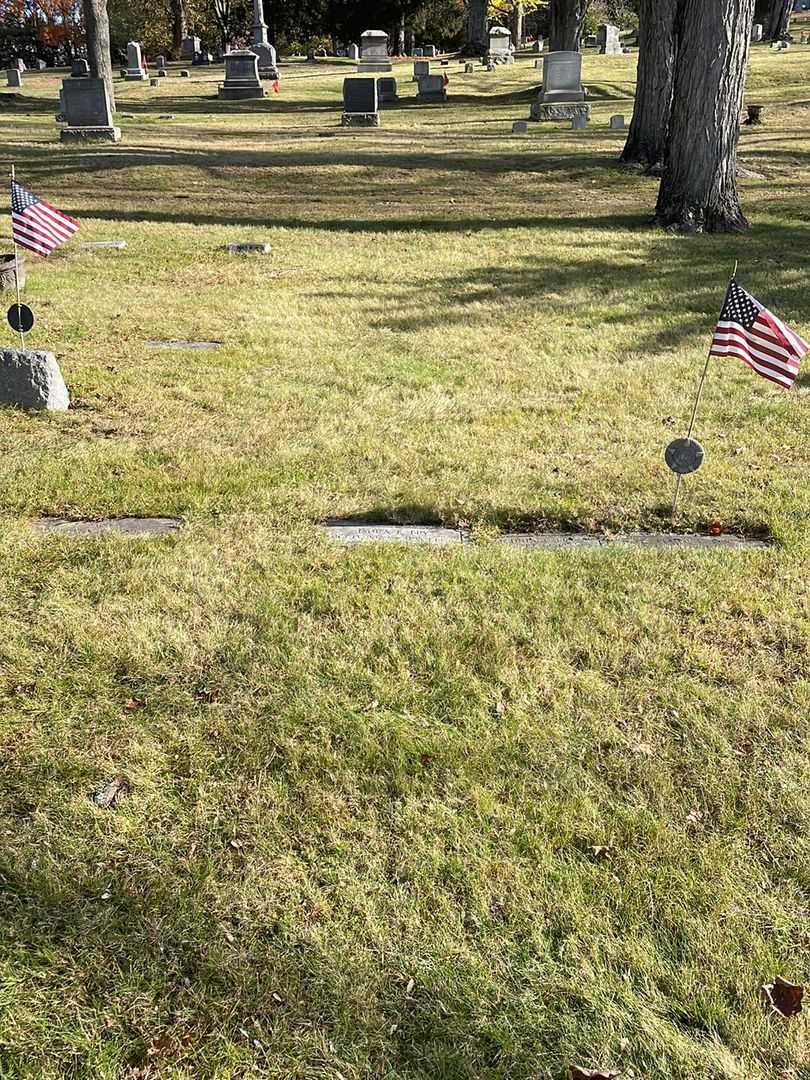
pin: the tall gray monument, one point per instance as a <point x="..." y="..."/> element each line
<point x="374" y="52"/>
<point x="562" y="96"/>
<point x="268" y="62"/>
<point x="608" y="40"/>
<point x="135" y="72"/>
<point x="241" y="77"/>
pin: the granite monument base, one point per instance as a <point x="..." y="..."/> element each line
<point x="360" y="120"/>
<point x="90" y="134"/>
<point x="559" y="110"/>
<point x="240" y="93"/>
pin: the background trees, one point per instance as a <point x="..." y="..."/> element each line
<point x="646" y="141"/>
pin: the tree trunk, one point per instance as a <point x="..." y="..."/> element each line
<point x="178" y="13"/>
<point x="566" y="24"/>
<point x="699" y="187"/>
<point x="400" y="49"/>
<point x="778" y="20"/>
<point x="97" y="29"/>
<point x="647" y="138"/>
<point x="516" y="23"/>
<point x="477" y="41"/>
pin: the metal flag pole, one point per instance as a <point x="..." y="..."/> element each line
<point x="695" y="407"/>
<point x="16" y="263"/>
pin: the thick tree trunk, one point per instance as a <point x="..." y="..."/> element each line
<point x="178" y="12"/>
<point x="779" y="20"/>
<point x="477" y="41"/>
<point x="566" y="23"/>
<point x="699" y="187"/>
<point x="97" y="29"/>
<point x="647" y="138"/>
<point x="400" y="48"/>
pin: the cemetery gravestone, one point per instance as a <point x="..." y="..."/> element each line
<point x="500" y="46"/>
<point x="14" y="77"/>
<point x="579" y="122"/>
<point x="80" y="70"/>
<point x="374" y="52"/>
<point x="86" y="110"/>
<point x="189" y="48"/>
<point x="431" y="90"/>
<point x="420" y="68"/>
<point x="418" y="53"/>
<point x="354" y="52"/>
<point x="617" y="123"/>
<point x="591" y="41"/>
<point x="268" y="61"/>
<point x="386" y="91"/>
<point x="160" y="63"/>
<point x="241" y="77"/>
<point x="431" y="51"/>
<point x="520" y="127"/>
<point x="360" y="103"/>
<point x="609" y="42"/>
<point x="40" y="65"/>
<point x="32" y="380"/>
<point x="562" y="96"/>
<point x="539" y="45"/>
<point x="135" y="71"/>
<point x="468" y="69"/>
<point x="757" y="31"/>
<point x="538" y="65"/>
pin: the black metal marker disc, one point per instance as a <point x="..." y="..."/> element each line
<point x="20" y="318"/>
<point x="684" y="456"/>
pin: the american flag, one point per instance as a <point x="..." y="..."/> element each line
<point x="754" y="335"/>
<point x="37" y="225"/>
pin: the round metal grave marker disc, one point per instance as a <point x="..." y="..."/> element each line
<point x="20" y="318"/>
<point x="684" y="456"/>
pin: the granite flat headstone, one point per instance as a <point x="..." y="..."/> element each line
<point x="123" y="526"/>
<point x="351" y="534"/>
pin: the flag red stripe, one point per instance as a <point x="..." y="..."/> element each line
<point x="45" y="221"/>
<point x="762" y="367"/>
<point x="725" y="337"/>
<point x="33" y="231"/>
<point x="62" y="220"/>
<point x="773" y="334"/>
<point x="767" y="344"/>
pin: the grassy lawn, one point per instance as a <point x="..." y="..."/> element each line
<point x="369" y="790"/>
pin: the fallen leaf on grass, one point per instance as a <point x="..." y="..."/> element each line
<point x="108" y="794"/>
<point x="578" y="1073"/>
<point x="134" y="703"/>
<point x="716" y="528"/>
<point x="409" y="987"/>
<point x="601" y="851"/>
<point x="785" y="998"/>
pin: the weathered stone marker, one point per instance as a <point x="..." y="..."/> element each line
<point x="241" y="77"/>
<point x="520" y="127"/>
<point x="420" y="69"/>
<point x="432" y="90"/>
<point x="80" y="69"/>
<point x="86" y="110"/>
<point x="500" y="46"/>
<point x="248" y="248"/>
<point x="609" y="40"/>
<point x="135" y="71"/>
<point x="562" y="96"/>
<point x="31" y="379"/>
<point x="374" y="52"/>
<point x="387" y="91"/>
<point x="351" y="533"/>
<point x="360" y="103"/>
<point x="617" y="122"/>
<point x="14" y="77"/>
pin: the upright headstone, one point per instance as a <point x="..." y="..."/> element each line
<point x="360" y="103"/>
<point x="579" y="122"/>
<point x="160" y="62"/>
<point x="268" y="61"/>
<point x="135" y="70"/>
<point x="500" y="42"/>
<point x="609" y="40"/>
<point x="80" y="69"/>
<point x="386" y="91"/>
<point x="20" y="65"/>
<point x="617" y="122"/>
<point x="562" y="96"/>
<point x="431" y="90"/>
<point x="86" y="111"/>
<point x="241" y="77"/>
<point x="353" y="52"/>
<point x="40" y="65"/>
<point x="420" y="68"/>
<point x="757" y="30"/>
<point x="591" y="41"/>
<point x="14" y="77"/>
<point x="539" y="45"/>
<point x="430" y="51"/>
<point x="374" y="52"/>
<point x="418" y="53"/>
<point x="189" y="47"/>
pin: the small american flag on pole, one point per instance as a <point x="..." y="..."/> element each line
<point x="754" y="335"/>
<point x="37" y="225"/>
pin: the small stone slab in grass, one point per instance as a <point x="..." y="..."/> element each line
<point x="559" y="540"/>
<point x="124" y="526"/>
<point x="351" y="533"/>
<point x="100" y="245"/>
<point x="184" y="344"/>
<point x="248" y="248"/>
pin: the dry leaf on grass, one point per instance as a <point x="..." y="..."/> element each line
<point x="785" y="998"/>
<point x="578" y="1073"/>
<point x="108" y="794"/>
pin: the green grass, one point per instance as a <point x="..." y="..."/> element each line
<point x="350" y="769"/>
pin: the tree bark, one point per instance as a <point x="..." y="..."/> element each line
<point x="778" y="20"/>
<point x="178" y="13"/>
<point x="566" y="24"/>
<point x="699" y="186"/>
<point x="647" y="138"/>
<point x="477" y="41"/>
<point x="516" y="23"/>
<point x="97" y="29"/>
<point x="400" y="47"/>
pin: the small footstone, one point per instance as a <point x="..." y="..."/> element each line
<point x="184" y="344"/>
<point x="617" y="122"/>
<point x="520" y="127"/>
<point x="551" y="541"/>
<point x="185" y="74"/>
<point x="32" y="380"/>
<point x="124" y="526"/>
<point x="350" y="534"/>
<point x="247" y="248"/>
<point x="113" y="245"/>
